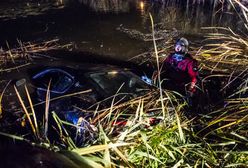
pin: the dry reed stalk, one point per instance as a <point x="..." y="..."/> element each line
<point x="25" y="110"/>
<point x="1" y="96"/>
<point x="25" y="49"/>
<point x="10" y="53"/>
<point x="14" y="68"/>
<point x="158" y="67"/>
<point x="132" y="103"/>
<point x="226" y="50"/>
<point x="148" y="104"/>
<point x="60" y="97"/>
<point x="33" y="112"/>
<point x="47" y="109"/>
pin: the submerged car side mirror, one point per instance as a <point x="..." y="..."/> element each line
<point x="20" y="86"/>
<point x="20" y="82"/>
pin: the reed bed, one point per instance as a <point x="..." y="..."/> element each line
<point x="224" y="50"/>
<point x="113" y="139"/>
<point x="25" y="49"/>
<point x="217" y="139"/>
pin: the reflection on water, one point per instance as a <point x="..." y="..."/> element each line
<point x="17" y="9"/>
<point x="191" y="17"/>
<point x="92" y="24"/>
<point x="109" y="6"/>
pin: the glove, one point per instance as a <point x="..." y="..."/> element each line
<point x="192" y="88"/>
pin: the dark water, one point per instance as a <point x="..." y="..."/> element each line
<point x="92" y="25"/>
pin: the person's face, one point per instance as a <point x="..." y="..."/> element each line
<point x="178" y="48"/>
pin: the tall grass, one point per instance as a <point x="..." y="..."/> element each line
<point x="225" y="50"/>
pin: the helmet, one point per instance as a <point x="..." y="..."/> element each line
<point x="183" y="42"/>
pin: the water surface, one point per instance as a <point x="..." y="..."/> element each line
<point x="92" y="26"/>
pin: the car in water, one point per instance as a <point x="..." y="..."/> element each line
<point x="99" y="82"/>
<point x="72" y="88"/>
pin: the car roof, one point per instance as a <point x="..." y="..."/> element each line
<point x="75" y="67"/>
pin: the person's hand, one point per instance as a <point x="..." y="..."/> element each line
<point x="192" y="87"/>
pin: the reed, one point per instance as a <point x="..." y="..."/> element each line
<point x="158" y="68"/>
<point x="26" y="111"/>
<point x="27" y="49"/>
<point x="33" y="113"/>
<point x="47" y="104"/>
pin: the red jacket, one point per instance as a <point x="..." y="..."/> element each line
<point x="181" y="70"/>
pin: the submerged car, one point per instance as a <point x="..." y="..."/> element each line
<point x="98" y="81"/>
<point x="72" y="87"/>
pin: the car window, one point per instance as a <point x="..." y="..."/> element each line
<point x="60" y="80"/>
<point x="111" y="82"/>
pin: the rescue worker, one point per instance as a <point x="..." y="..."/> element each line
<point x="180" y="70"/>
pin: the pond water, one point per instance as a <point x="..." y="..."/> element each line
<point x="92" y="26"/>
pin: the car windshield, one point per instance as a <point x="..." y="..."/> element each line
<point x="121" y="82"/>
<point x="60" y="81"/>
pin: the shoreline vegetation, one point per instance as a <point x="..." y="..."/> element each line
<point x="216" y="138"/>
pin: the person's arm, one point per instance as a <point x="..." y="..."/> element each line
<point x="193" y="73"/>
<point x="165" y="63"/>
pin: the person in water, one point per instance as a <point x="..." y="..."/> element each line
<point x="180" y="69"/>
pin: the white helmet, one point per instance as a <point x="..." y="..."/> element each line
<point x="183" y="42"/>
